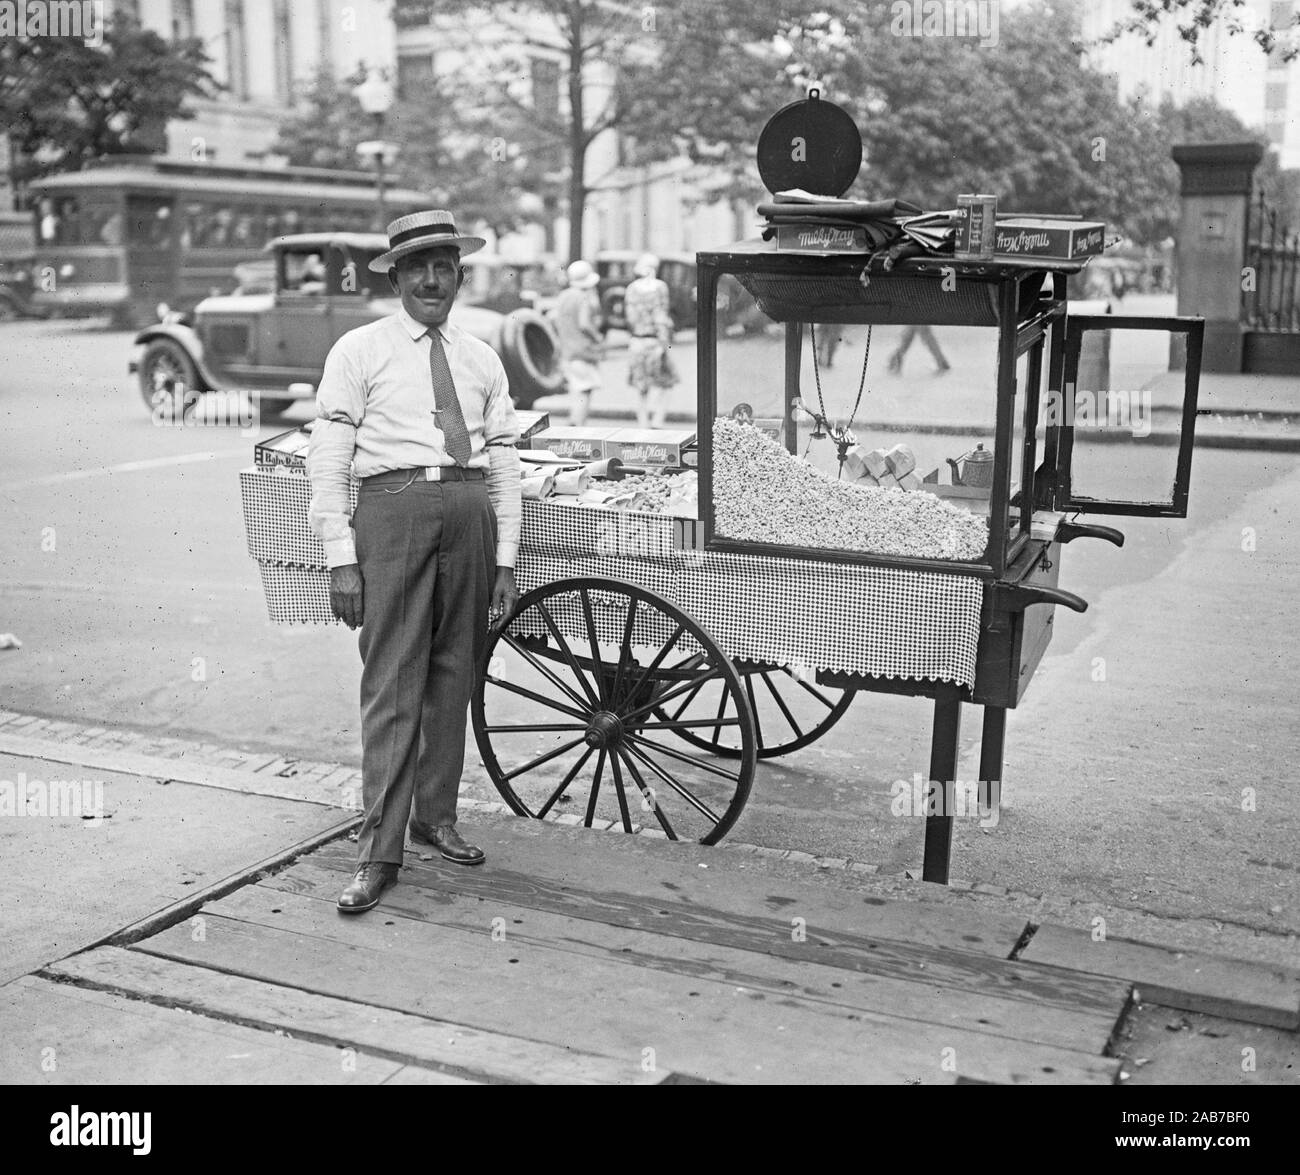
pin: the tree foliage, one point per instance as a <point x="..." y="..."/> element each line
<point x="1192" y="18"/>
<point x="1026" y="118"/>
<point x="67" y="103"/>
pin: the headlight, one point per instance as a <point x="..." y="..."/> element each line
<point x="67" y="269"/>
<point x="162" y="310"/>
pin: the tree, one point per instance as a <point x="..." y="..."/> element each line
<point x="561" y="73"/>
<point x="67" y="103"/>
<point x="1193" y="17"/>
<point x="325" y="125"/>
<point x="439" y="145"/>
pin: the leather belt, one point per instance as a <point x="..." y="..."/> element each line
<point x="425" y="473"/>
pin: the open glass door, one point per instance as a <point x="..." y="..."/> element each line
<point x="1127" y="415"/>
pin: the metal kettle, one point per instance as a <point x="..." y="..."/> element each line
<point x="976" y="469"/>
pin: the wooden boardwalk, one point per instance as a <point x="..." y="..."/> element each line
<point x="581" y="957"/>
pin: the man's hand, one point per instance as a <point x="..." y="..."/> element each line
<point x="504" y="597"/>
<point x="345" y="594"/>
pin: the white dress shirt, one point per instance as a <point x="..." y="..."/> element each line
<point x="375" y="413"/>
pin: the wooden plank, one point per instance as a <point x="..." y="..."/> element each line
<point x="1166" y="1046"/>
<point x="827" y="988"/>
<point x="767" y="931"/>
<point x="1255" y="992"/>
<point x="402" y="1038"/>
<point x="738" y="883"/>
<point x="99" y="1038"/>
<point x="622" y="1010"/>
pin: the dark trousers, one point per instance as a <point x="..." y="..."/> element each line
<point x="427" y="554"/>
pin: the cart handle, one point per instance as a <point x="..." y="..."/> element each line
<point x="1069" y="531"/>
<point x="1016" y="597"/>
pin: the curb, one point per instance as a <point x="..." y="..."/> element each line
<point x="331" y="784"/>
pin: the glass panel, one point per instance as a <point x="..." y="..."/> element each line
<point x="304" y="273"/>
<point x="924" y="425"/>
<point x="148" y="222"/>
<point x="1020" y="507"/>
<point x="101" y="225"/>
<point x="1126" y="409"/>
<point x="60" y="221"/>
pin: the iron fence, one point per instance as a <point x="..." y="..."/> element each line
<point x="1273" y="261"/>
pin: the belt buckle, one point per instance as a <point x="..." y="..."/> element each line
<point x="433" y="473"/>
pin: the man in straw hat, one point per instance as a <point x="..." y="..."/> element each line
<point x="421" y="410"/>
<point x="650" y="369"/>
<point x="577" y="323"/>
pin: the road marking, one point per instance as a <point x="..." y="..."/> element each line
<point x="122" y="467"/>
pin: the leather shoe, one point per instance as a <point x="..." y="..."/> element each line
<point x="448" y="842"/>
<point x="367" y="887"/>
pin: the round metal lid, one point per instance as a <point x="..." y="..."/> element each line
<point x="810" y="144"/>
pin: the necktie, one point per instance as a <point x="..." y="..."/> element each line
<point x="450" y="420"/>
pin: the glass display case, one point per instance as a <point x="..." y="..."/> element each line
<point x="919" y="417"/>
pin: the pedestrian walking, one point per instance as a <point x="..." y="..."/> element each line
<point x="577" y="323"/>
<point x="422" y="411"/>
<point x="649" y="366"/>
<point x="926" y="335"/>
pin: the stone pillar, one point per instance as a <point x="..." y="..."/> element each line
<point x="1211" y="243"/>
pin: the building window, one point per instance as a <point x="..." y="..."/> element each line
<point x="182" y="20"/>
<point x="546" y="87"/>
<point x="283" y="52"/>
<point x="236" y="50"/>
<point x="413" y="73"/>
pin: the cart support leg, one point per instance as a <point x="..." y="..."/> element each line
<point x="991" y="744"/>
<point x="943" y="775"/>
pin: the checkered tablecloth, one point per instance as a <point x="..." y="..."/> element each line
<point x="853" y="618"/>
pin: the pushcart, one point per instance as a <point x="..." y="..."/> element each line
<point x="652" y="662"/>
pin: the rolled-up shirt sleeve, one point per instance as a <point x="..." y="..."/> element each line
<point x="501" y="435"/>
<point x="340" y="408"/>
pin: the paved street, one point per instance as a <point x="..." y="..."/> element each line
<point x="125" y="576"/>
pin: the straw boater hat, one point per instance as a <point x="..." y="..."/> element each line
<point x="423" y="230"/>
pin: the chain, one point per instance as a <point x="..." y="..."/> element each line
<point x="842" y="436"/>
<point x="817" y="375"/>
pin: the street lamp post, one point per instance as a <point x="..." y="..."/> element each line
<point x="376" y="98"/>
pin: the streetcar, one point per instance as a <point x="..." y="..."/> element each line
<point x="136" y="235"/>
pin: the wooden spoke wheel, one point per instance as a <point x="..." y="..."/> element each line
<point x="567" y="713"/>
<point x="790" y="711"/>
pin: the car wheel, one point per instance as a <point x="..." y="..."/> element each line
<point x="167" y="374"/>
<point x="530" y="357"/>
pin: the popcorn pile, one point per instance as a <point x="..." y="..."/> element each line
<point x="763" y="494"/>
<point x="676" y="494"/>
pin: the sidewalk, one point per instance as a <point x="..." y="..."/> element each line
<point x="573" y="956"/>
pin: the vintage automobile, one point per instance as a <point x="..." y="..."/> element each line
<point x="736" y="309"/>
<point x="677" y="270"/>
<point x="17" y="263"/>
<point x="272" y="343"/>
<point x="499" y="283"/>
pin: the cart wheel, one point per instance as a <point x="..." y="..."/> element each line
<point x="566" y="712"/>
<point x="789" y="712"/>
